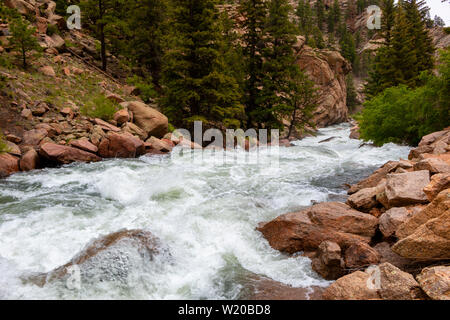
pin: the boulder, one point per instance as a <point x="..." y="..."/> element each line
<point x="354" y="133"/>
<point x="438" y="183"/>
<point x="159" y="145"/>
<point x="34" y="137"/>
<point x="84" y="144"/>
<point x="27" y="114"/>
<point x="122" y="145"/>
<point x="435" y="281"/>
<point x="375" y="178"/>
<point x="432" y="137"/>
<point x="97" y="134"/>
<point x="257" y="287"/>
<point x="122" y="116"/>
<point x="439" y="205"/>
<point x="30" y="160"/>
<point x="48" y="71"/>
<point x="307" y="229"/>
<point x="64" y="154"/>
<point x="359" y="255"/>
<point x="108" y="258"/>
<point x="134" y="130"/>
<point x="105" y="125"/>
<point x="384" y="281"/>
<point x="392" y="219"/>
<point x="365" y="199"/>
<point x="13" y="149"/>
<point x="328" y="262"/>
<point x="434" y="165"/>
<point x="8" y="164"/>
<point x="153" y="122"/>
<point x="396" y="284"/>
<point x="430" y="241"/>
<point x="387" y="255"/>
<point x="414" y="154"/>
<point x="114" y="97"/>
<point x="353" y="286"/>
<point x="13" y="138"/>
<point x="407" y="188"/>
<point x="22" y="6"/>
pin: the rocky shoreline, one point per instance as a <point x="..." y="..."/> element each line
<point x="390" y="240"/>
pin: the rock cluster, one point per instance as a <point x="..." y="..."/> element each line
<point x="391" y="240"/>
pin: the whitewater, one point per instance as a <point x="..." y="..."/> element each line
<point x="204" y="214"/>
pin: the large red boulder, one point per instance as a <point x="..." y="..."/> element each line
<point x="8" y="164"/>
<point x="122" y="145"/>
<point x="307" y="229"/>
<point x="65" y="154"/>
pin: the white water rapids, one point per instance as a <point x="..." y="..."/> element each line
<point x="205" y="214"/>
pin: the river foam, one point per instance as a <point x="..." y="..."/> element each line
<point x="204" y="213"/>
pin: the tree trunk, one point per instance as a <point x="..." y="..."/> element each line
<point x="291" y="126"/>
<point x="24" y="57"/>
<point x="102" y="35"/>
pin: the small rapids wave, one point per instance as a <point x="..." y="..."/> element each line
<point x="205" y="213"/>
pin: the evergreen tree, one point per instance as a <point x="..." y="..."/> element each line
<point x="22" y="38"/>
<point x="348" y="49"/>
<point x="197" y="87"/>
<point x="253" y="44"/>
<point x="318" y="38"/>
<point x="320" y="14"/>
<point x="304" y="14"/>
<point x="279" y="65"/>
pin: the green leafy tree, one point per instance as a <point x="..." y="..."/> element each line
<point x="22" y="38"/>
<point x="402" y="114"/>
<point x="196" y="85"/>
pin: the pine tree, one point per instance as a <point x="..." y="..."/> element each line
<point x="22" y="38"/>
<point x="253" y="44"/>
<point x="320" y="14"/>
<point x="304" y="14"/>
<point x="196" y="85"/>
<point x="279" y="65"/>
<point x="348" y="49"/>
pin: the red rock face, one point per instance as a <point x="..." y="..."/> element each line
<point x="65" y="154"/>
<point x="8" y="165"/>
<point x="120" y="146"/>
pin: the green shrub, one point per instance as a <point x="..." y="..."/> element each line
<point x="145" y="86"/>
<point x="100" y="107"/>
<point x="403" y="115"/>
<point x="52" y="29"/>
<point x="3" y="146"/>
<point x="447" y="30"/>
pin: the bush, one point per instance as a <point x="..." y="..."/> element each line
<point x="52" y="29"/>
<point x="100" y="107"/>
<point x="145" y="86"/>
<point x="3" y="146"/>
<point x="403" y="115"/>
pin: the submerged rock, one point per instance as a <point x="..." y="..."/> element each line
<point x="108" y="258"/>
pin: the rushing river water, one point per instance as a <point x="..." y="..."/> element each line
<point x="205" y="214"/>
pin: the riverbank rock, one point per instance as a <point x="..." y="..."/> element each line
<point x="435" y="281"/>
<point x="307" y="229"/>
<point x="34" y="137"/>
<point x="262" y="288"/>
<point x="384" y="281"/>
<point x="438" y="183"/>
<point x="353" y="286"/>
<point x="30" y="160"/>
<point x="328" y="262"/>
<point x="436" y="208"/>
<point x="375" y="178"/>
<point x="392" y="219"/>
<point x="366" y="199"/>
<point x="433" y="165"/>
<point x="84" y="144"/>
<point x="107" y="258"/>
<point x="407" y="188"/>
<point x="430" y="241"/>
<point x="359" y="255"/>
<point x="64" y="154"/>
<point x="9" y="164"/>
<point x="153" y="122"/>
<point x="124" y="145"/>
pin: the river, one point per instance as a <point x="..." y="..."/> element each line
<point x="205" y="214"/>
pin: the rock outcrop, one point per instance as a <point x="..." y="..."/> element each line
<point x="327" y="69"/>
